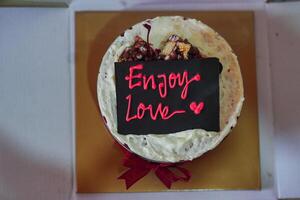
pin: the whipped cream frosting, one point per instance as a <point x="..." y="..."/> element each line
<point x="179" y="146"/>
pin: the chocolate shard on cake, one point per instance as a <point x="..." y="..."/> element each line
<point x="178" y="49"/>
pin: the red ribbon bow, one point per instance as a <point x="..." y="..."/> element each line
<point x="138" y="168"/>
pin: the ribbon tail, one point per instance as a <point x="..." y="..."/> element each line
<point x="168" y="177"/>
<point x="185" y="172"/>
<point x="132" y="175"/>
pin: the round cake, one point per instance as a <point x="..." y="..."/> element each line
<point x="172" y="38"/>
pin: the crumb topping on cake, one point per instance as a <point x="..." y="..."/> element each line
<point x="175" y="48"/>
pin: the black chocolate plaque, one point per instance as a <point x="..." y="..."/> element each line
<point x="162" y="97"/>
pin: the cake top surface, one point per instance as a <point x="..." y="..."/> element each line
<point x="172" y="38"/>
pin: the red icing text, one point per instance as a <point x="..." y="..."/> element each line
<point x="162" y="111"/>
<point x="137" y="79"/>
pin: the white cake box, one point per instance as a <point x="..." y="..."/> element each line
<point x="48" y="34"/>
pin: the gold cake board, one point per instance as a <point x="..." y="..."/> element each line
<point x="234" y="164"/>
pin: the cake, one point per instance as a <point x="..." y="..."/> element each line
<point x="171" y="39"/>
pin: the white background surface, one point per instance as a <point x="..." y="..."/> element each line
<point x="36" y="74"/>
<point x="35" y="109"/>
<point x="284" y="39"/>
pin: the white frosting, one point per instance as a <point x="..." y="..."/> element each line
<point x="175" y="147"/>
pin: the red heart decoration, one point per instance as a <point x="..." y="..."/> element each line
<point x="197" y="108"/>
